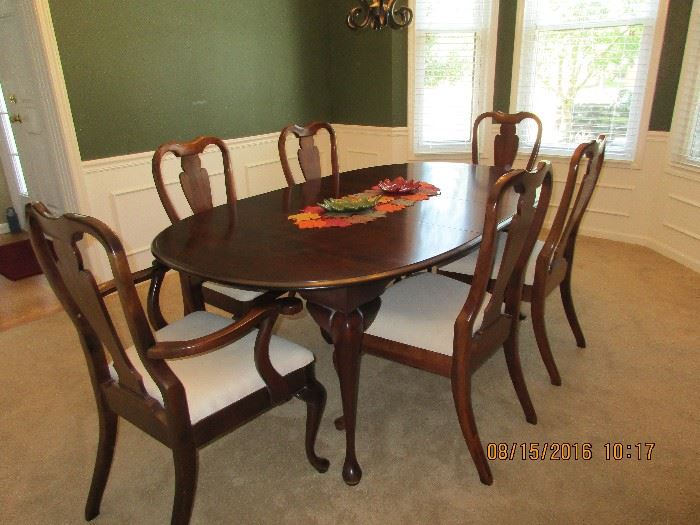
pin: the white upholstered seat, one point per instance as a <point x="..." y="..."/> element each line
<point x="214" y="380"/>
<point x="236" y="293"/>
<point x="421" y="311"/>
<point x="466" y="265"/>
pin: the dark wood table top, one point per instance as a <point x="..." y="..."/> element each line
<point x="254" y="244"/>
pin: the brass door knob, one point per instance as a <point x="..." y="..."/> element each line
<point x="16" y="118"/>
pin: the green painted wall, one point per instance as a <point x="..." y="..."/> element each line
<point x="505" y="42"/>
<point x="140" y="73"/>
<point x="670" y="64"/>
<point x="368" y="72"/>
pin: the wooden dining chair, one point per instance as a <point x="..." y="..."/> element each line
<point x="196" y="186"/>
<point x="431" y="322"/>
<point x="505" y="144"/>
<point x="187" y="383"/>
<point x="552" y="260"/>
<point x="308" y="153"/>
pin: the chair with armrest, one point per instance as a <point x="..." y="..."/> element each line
<point x="308" y="153"/>
<point x="431" y="322"/>
<point x="185" y="384"/>
<point x="195" y="184"/>
<point x="551" y="263"/>
<point x="505" y="144"/>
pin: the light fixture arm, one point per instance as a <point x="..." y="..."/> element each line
<point x="377" y="14"/>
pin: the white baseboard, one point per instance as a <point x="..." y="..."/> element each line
<point x="672" y="253"/>
<point x="647" y="242"/>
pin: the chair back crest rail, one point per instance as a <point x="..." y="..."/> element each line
<point x="559" y="245"/>
<point x="503" y="307"/>
<point x="506" y="143"/>
<point x="308" y="154"/>
<point x="194" y="179"/>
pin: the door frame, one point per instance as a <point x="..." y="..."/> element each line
<point x="42" y="49"/>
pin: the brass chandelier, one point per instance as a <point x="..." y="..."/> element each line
<point x="377" y="14"/>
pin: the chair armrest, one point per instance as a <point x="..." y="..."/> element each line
<point x="109" y="287"/>
<point x="220" y="338"/>
<point x="263" y="316"/>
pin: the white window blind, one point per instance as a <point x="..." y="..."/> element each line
<point x="685" y="130"/>
<point x="583" y="71"/>
<point x="450" y="46"/>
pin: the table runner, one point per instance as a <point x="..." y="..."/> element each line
<point x="317" y="217"/>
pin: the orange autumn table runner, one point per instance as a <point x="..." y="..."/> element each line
<point x="317" y="217"/>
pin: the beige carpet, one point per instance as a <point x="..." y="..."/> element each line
<point x="637" y="382"/>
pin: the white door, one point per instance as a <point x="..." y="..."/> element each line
<point x="27" y="147"/>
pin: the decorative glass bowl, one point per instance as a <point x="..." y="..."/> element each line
<point x="349" y="203"/>
<point x="399" y="186"/>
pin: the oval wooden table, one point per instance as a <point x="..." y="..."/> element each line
<point x="341" y="272"/>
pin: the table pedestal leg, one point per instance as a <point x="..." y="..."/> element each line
<point x="346" y="330"/>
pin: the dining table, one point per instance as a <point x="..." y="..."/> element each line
<point x="259" y="243"/>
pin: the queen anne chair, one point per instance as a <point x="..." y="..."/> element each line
<point x="185" y="384"/>
<point x="195" y="184"/>
<point x="308" y="153"/>
<point x="431" y="322"/>
<point x="551" y="263"/>
<point x="505" y="145"/>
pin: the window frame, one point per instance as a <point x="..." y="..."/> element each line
<point x="489" y="71"/>
<point x="680" y="136"/>
<point x="634" y="163"/>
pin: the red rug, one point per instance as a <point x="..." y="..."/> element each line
<point x="17" y="260"/>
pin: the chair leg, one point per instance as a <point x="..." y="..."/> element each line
<point x="314" y="395"/>
<point x="537" y="313"/>
<point x="510" y="348"/>
<point x="103" y="462"/>
<point x="566" y="299"/>
<point x="339" y="422"/>
<point x="326" y="337"/>
<point x="186" y="466"/>
<point x="461" y="393"/>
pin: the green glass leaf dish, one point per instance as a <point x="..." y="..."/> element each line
<point x="350" y="203"/>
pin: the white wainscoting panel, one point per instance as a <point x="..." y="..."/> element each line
<point x="679" y="237"/>
<point x="656" y="205"/>
<point x="122" y="193"/>
<point x="364" y="146"/>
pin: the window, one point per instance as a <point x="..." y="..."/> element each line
<point x="583" y="70"/>
<point x="451" y="47"/>
<point x="685" y="131"/>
